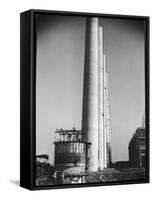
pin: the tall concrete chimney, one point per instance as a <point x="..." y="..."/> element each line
<point x="105" y="113"/>
<point x="107" y="120"/>
<point x="90" y="92"/>
<point x="108" y="136"/>
<point x="100" y="100"/>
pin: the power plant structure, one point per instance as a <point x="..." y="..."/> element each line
<point x="89" y="148"/>
<point x="96" y="110"/>
<point x="84" y="156"/>
<point x="137" y="146"/>
<point x="70" y="150"/>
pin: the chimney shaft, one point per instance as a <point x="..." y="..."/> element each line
<point x="90" y="92"/>
<point x="100" y="99"/>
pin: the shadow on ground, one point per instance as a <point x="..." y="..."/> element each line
<point x="15" y="182"/>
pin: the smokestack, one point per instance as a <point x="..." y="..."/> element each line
<point x="107" y="122"/>
<point x="90" y="92"/>
<point x="100" y="99"/>
<point x="105" y="113"/>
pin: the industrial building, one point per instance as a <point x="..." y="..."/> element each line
<point x="89" y="148"/>
<point x="70" y="149"/>
<point x="137" y="147"/>
<point x="43" y="170"/>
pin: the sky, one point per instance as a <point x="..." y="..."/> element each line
<point x="59" y="78"/>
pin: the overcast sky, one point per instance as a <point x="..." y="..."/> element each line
<point x="59" y="78"/>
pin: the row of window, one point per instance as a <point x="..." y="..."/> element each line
<point x="69" y="137"/>
<point x="70" y="147"/>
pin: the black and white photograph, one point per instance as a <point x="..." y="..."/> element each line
<point x="90" y="100"/>
<point x="76" y="94"/>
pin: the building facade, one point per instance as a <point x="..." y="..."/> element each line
<point x="137" y="149"/>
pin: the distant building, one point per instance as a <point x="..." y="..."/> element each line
<point x="137" y="149"/>
<point x="44" y="171"/>
<point x="43" y="167"/>
<point x="43" y="158"/>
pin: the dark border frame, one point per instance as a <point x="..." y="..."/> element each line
<point x="28" y="96"/>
